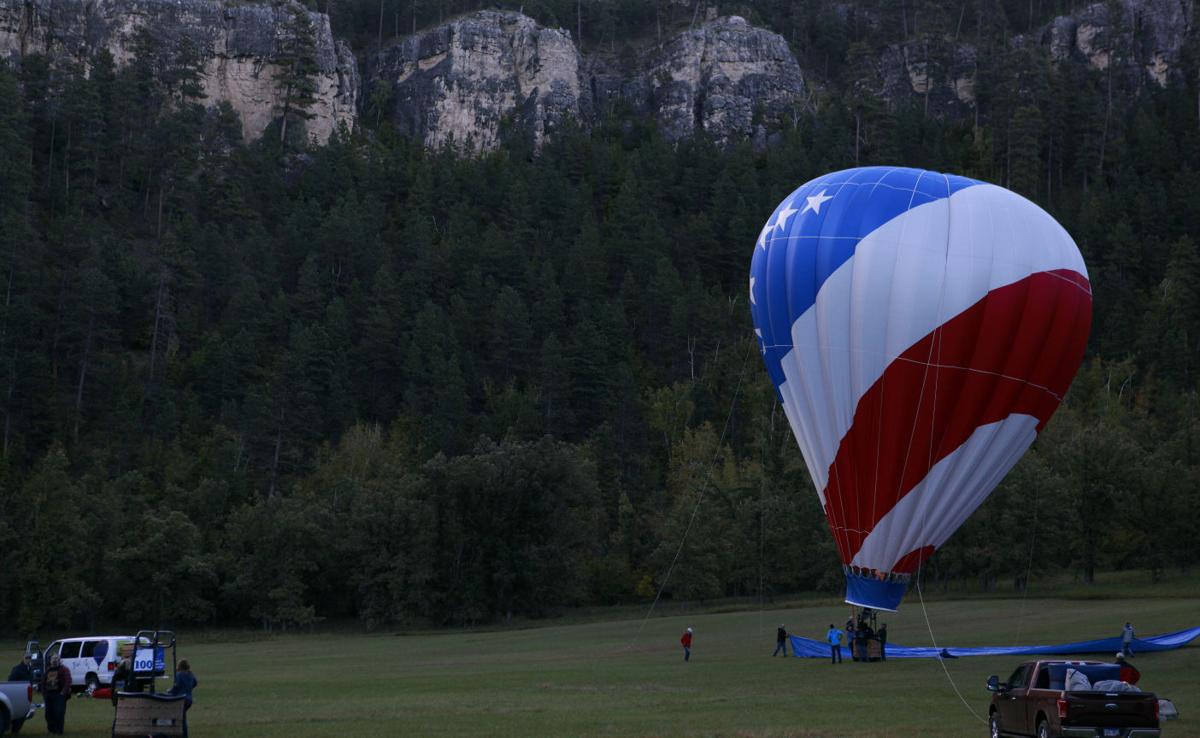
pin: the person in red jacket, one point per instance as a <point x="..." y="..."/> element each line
<point x="686" y="642"/>
<point x="56" y="690"/>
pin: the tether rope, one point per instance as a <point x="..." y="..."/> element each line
<point x="933" y="419"/>
<point x="1028" y="568"/>
<point x="940" y="660"/>
<point x="699" y="498"/>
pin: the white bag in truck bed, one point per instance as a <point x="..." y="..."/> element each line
<point x="1077" y="681"/>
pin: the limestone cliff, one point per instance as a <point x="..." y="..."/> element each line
<point x="1140" y="37"/>
<point x="460" y="81"/>
<point x="726" y="78"/>
<point x="238" y="45"/>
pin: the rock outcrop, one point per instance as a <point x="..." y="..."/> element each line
<point x="238" y="45"/>
<point x="725" y="78"/>
<point x="1139" y="36"/>
<point x="1141" y="39"/>
<point x="460" y="81"/>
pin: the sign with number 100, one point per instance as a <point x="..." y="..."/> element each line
<point x="149" y="659"/>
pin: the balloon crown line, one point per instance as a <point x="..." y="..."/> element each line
<point x="883" y="576"/>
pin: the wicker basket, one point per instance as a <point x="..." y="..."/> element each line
<point x="141" y="715"/>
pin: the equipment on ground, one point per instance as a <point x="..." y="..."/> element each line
<point x="140" y="708"/>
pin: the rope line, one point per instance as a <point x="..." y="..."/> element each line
<point x="936" y="345"/>
<point x="940" y="660"/>
<point x="699" y="498"/>
<point x="1028" y="568"/>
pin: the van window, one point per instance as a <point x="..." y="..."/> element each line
<point x="53" y="651"/>
<point x="89" y="649"/>
<point x="70" y="650"/>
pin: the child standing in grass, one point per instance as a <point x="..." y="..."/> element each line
<point x="686" y="642"/>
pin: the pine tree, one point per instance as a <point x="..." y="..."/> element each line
<point x="295" y="82"/>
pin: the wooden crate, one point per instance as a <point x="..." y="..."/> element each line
<point x="141" y="715"/>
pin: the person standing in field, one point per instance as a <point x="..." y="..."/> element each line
<point x="56" y="690"/>
<point x="1127" y="639"/>
<point x="882" y="636"/>
<point x="834" y="636"/>
<point x="780" y="641"/>
<point x="122" y="678"/>
<point x="185" y="682"/>
<point x="22" y="672"/>
<point x="686" y="642"/>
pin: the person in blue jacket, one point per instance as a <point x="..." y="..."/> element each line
<point x="185" y="682"/>
<point x="834" y="636"/>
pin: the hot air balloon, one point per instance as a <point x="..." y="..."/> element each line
<point x="920" y="329"/>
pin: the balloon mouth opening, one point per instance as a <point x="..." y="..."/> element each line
<point x="878" y="590"/>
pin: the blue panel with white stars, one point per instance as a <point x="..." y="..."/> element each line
<point x="815" y="230"/>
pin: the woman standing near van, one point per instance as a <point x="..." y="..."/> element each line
<point x="185" y="682"/>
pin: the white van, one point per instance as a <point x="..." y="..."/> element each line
<point x="92" y="660"/>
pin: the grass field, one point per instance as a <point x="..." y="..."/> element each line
<point x="619" y="678"/>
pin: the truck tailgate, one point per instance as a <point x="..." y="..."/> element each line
<point x="1112" y="709"/>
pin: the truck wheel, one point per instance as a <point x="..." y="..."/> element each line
<point x="3" y="721"/>
<point x="994" y="726"/>
<point x="1043" y="729"/>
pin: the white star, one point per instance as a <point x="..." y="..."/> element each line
<point x="782" y="218"/>
<point x="752" y="302"/>
<point x="815" y="202"/>
<point x="762" y="237"/>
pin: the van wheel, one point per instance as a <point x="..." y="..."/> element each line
<point x="3" y="721"/>
<point x="91" y="683"/>
<point x="1043" y="729"/>
<point x="994" y="726"/>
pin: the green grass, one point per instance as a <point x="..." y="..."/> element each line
<point x="620" y="678"/>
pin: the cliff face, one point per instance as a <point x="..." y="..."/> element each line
<point x="1140" y="37"/>
<point x="459" y="81"/>
<point x="238" y="46"/>
<point x="726" y="78"/>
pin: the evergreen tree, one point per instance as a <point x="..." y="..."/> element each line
<point x="296" y="59"/>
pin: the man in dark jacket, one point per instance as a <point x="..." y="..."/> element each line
<point x="780" y="641"/>
<point x="122" y="680"/>
<point x="22" y="672"/>
<point x="56" y="690"/>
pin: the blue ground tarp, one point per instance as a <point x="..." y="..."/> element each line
<point x="807" y="648"/>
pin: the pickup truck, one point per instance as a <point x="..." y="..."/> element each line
<point x="16" y="703"/>
<point x="1059" y="698"/>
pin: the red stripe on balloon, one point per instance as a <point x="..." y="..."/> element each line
<point x="1013" y="352"/>
<point x="909" y="562"/>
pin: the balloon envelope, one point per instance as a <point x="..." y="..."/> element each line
<point x="920" y="328"/>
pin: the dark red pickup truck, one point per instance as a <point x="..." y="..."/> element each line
<point x="1043" y="699"/>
